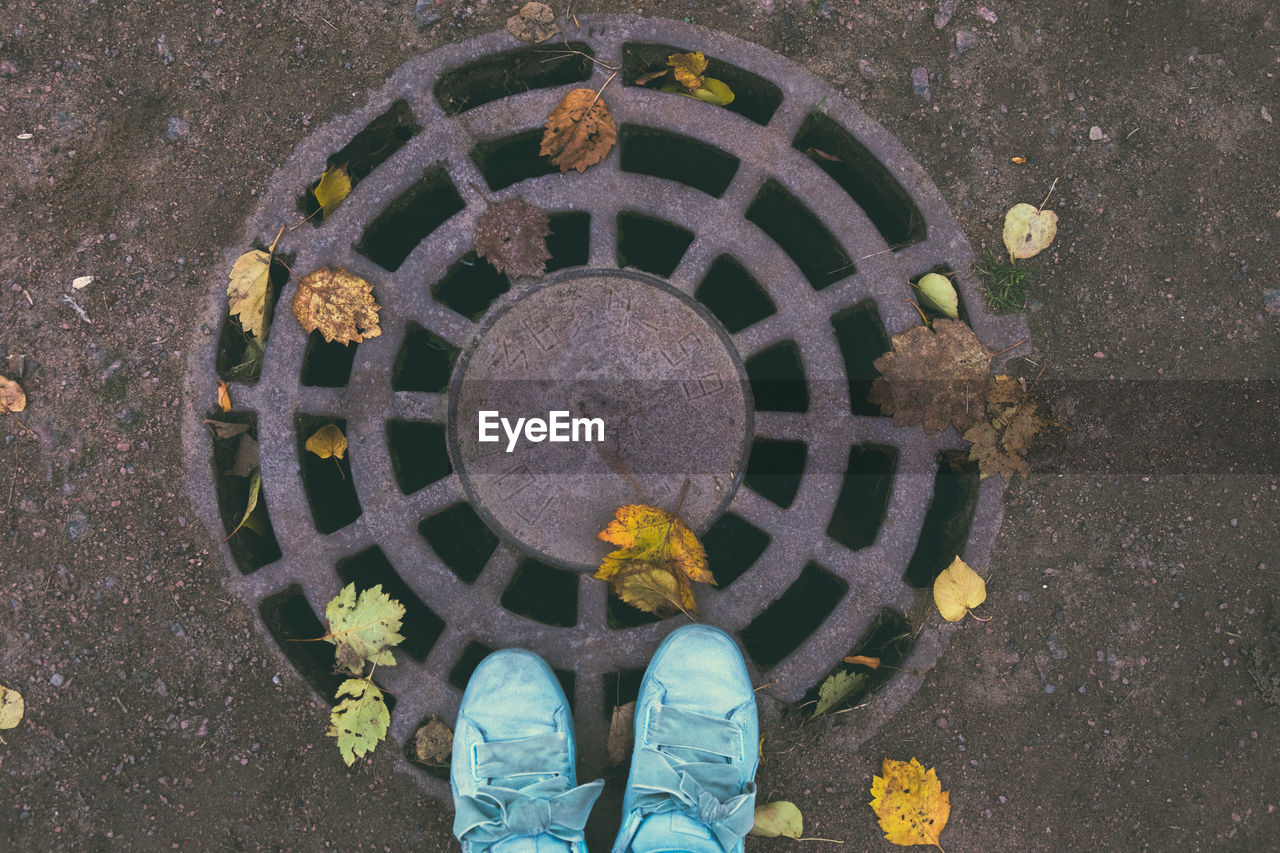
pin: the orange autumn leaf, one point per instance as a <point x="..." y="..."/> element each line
<point x="864" y="660"/>
<point x="912" y="807"/>
<point x="579" y="132"/>
<point x="658" y="557"/>
<point x="224" y="396"/>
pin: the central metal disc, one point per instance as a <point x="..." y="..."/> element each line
<point x="640" y="397"/>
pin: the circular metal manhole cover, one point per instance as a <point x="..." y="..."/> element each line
<point x="718" y="288"/>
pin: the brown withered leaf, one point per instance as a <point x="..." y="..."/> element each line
<point x="621" y="732"/>
<point x="1001" y="442"/>
<point x="226" y="429"/>
<point x="433" y="744"/>
<point x="534" y="22"/>
<point x="512" y="235"/>
<point x="246" y="457"/>
<point x="689" y="68"/>
<point x="12" y="397"/>
<point x="934" y="377"/>
<point x="579" y="132"/>
<point x="339" y="304"/>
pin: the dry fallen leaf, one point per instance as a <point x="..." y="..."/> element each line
<point x="247" y="289"/>
<point x="12" y="397"/>
<point x="339" y="304"/>
<point x="579" y="132"/>
<point x="1000" y="443"/>
<point x="689" y="68"/>
<point x="864" y="660"/>
<point x="657" y="558"/>
<point x="910" y="802"/>
<point x="534" y="22"/>
<point x="1028" y="230"/>
<point x="433" y="743"/>
<point x="334" y="186"/>
<point x="512" y="235"/>
<point x="779" y="818"/>
<point x="933" y="377"/>
<point x="224" y="396"/>
<point x="958" y="590"/>
<point x="838" y="687"/>
<point x="360" y="720"/>
<point x="12" y="707"/>
<point x="226" y="429"/>
<point x="327" y="441"/>
<point x="621" y="732"/>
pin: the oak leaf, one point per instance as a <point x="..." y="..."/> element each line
<point x="910" y="802"/>
<point x="836" y="689"/>
<point x="339" y="304"/>
<point x="12" y="707"/>
<point x="933" y="377"/>
<point x="658" y="557"/>
<point x="247" y="289"/>
<point x="327" y="441"/>
<point x="433" y="743"/>
<point x="360" y="720"/>
<point x="512" y="236"/>
<point x="534" y="22"/>
<point x="779" y="818"/>
<point x="688" y="69"/>
<point x="579" y="132"/>
<point x="369" y="623"/>
<point x="957" y="590"/>
<point x="12" y="397"/>
<point x="334" y="186"/>
<point x="1028" y="230"/>
<point x="621" y="732"/>
<point x="1000" y="443"/>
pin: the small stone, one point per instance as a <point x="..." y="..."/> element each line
<point x="1096" y="134"/>
<point x="1266" y="114"/>
<point x="946" y="9"/>
<point x="178" y="128"/>
<point x="77" y="525"/>
<point x="162" y="49"/>
<point x="57" y="680"/>
<point x="426" y="14"/>
<point x="8" y="68"/>
<point x="1049" y="688"/>
<point x="965" y="39"/>
<point x="920" y="82"/>
<point x="986" y="14"/>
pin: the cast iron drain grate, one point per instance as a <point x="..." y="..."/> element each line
<point x="728" y="290"/>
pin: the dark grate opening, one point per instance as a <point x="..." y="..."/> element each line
<point x="567" y="681"/>
<point x="775" y="469"/>
<point x="777" y="379"/>
<point x="944" y="270"/>
<point x="620" y="688"/>
<point x="512" y="72"/>
<point x="327" y="364"/>
<point x="295" y="628"/>
<point x="327" y="482"/>
<point x="862" y="339"/>
<point x="470" y="286"/>
<point x="424" y="362"/>
<point x="570" y="240"/>
<point x="619" y="614"/>
<point x="864" y="497"/>
<point x="651" y="244"/>
<point x="733" y="296"/>
<point x="811" y="247"/>
<point x="471" y="657"/>
<point x="948" y="519"/>
<point x="419" y="455"/>
<point x="421" y="627"/>
<point x="867" y="181"/>
<point x="250" y="550"/>
<point x="890" y="639"/>
<point x="733" y="545"/>
<point x="663" y="154"/>
<point x="512" y="159"/>
<point x="786" y="623"/>
<point x="544" y="594"/>
<point x="233" y="359"/>
<point x="461" y="540"/>
<point x="754" y="97"/>
<point x="407" y="221"/>
<point x="366" y="151"/>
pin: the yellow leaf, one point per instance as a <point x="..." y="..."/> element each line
<point x="11" y="707"/>
<point x="579" y="132"/>
<point x="714" y="91"/>
<point x="12" y="397"/>
<point x="327" y="441"/>
<point x="359" y="721"/>
<point x="334" y="186"/>
<point x="911" y="805"/>
<point x="658" y="557"/>
<point x="778" y="818"/>
<point x="1028" y="230"/>
<point x="864" y="660"/>
<point x="251" y="505"/>
<point x="958" y="590"/>
<point x="939" y="294"/>
<point x="247" y="288"/>
<point x="339" y="304"/>
<point x="689" y="68"/>
<point x="224" y="396"/>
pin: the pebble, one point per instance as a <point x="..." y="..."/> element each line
<point x="56" y="680"/>
<point x="1096" y="134"/>
<point x="965" y="39"/>
<point x="946" y="9"/>
<point x="426" y="13"/>
<point x="1049" y="688"/>
<point x="162" y="49"/>
<point x="77" y="525"/>
<point x="8" y="68"/>
<point x="920" y="81"/>
<point x="986" y="14"/>
<point x="178" y="128"/>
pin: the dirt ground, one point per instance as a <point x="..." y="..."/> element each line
<point x="1107" y="705"/>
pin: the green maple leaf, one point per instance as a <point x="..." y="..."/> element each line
<point x="368" y="624"/>
<point x="836" y="689"/>
<point x="360" y="720"/>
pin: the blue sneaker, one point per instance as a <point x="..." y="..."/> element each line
<point x="692" y="787"/>
<point x="514" y="785"/>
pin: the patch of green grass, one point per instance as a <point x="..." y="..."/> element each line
<point x="1004" y="284"/>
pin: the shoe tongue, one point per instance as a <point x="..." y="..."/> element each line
<point x="673" y="832"/>
<point x="528" y="844"/>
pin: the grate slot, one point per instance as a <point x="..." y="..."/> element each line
<point x="663" y="154"/>
<point x="511" y="72"/>
<point x="890" y="639"/>
<point x="864" y="497"/>
<point x="941" y="269"/>
<point x="775" y="469"/>
<point x="777" y="379"/>
<point x="733" y="545"/>
<point x="471" y="657"/>
<point x="798" y="612"/>
<point x="292" y="624"/>
<point x="470" y="286"/>
<point x="754" y="97"/>
<point x="231" y="358"/>
<point x="512" y="159"/>
<point x="733" y="295"/>
<point x="327" y="364"/>
<point x="619" y="615"/>
<point x="407" y="221"/>
<point x="421" y="626"/>
<point x="544" y="594"/>
<point x="366" y="151"/>
<point x="419" y="455"/>
<point x="947" y="520"/>
<point x="811" y="247"/>
<point x="866" y="180"/>
<point x="570" y="240"/>
<point x="331" y="494"/>
<point x="650" y="244"/>
<point x="620" y="688"/>
<point x="862" y="339"/>
<point x="250" y="550"/>
<point x="424" y="362"/>
<point x="461" y="540"/>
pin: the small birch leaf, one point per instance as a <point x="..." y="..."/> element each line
<point x="334" y="186"/>
<point x="958" y="590"/>
<point x="939" y="294"/>
<point x="327" y="441"/>
<point x="247" y="289"/>
<point x="1028" y="230"/>
<point x="534" y="22"/>
<point x="12" y="707"/>
<point x="779" y="818"/>
<point x="433" y="744"/>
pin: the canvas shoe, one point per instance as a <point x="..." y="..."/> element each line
<point x="514" y="785"/>
<point x="691" y="787"/>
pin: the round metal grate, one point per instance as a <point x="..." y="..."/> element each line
<point x="717" y="291"/>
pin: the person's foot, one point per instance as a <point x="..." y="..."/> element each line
<point x="514" y="785"/>
<point x="691" y="785"/>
